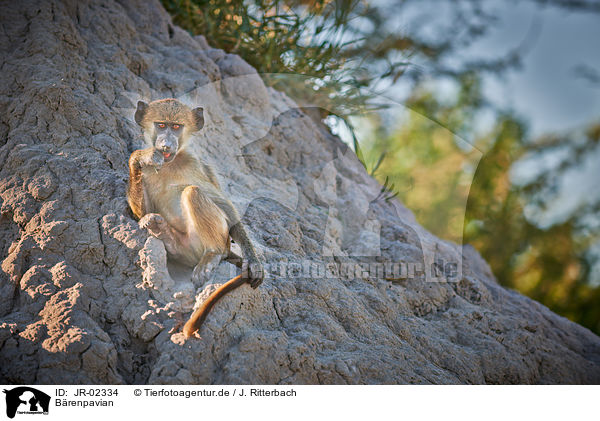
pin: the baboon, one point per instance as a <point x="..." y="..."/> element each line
<point x="177" y="198"/>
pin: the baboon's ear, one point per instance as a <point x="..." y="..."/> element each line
<point x="198" y="117"/>
<point x="140" y="112"/>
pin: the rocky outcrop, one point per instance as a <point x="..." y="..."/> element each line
<point x="87" y="297"/>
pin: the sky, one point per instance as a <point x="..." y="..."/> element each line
<point x="548" y="90"/>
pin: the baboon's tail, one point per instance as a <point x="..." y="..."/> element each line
<point x="197" y="318"/>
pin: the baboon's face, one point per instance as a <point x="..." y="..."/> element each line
<point x="167" y="138"/>
<point x="167" y="124"/>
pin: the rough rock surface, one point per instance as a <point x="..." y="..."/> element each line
<point x="86" y="296"/>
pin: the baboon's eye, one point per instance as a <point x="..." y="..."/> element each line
<point x="162" y="125"/>
<point x="176" y="126"/>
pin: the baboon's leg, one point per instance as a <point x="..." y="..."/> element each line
<point x="175" y="242"/>
<point x="207" y="226"/>
<point x="207" y="232"/>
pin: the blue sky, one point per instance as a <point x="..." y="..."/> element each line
<point x="547" y="90"/>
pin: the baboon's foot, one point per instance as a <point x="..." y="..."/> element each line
<point x="155" y="224"/>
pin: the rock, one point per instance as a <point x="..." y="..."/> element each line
<point x="87" y="297"/>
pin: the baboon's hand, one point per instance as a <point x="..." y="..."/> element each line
<point x="154" y="223"/>
<point x="156" y="159"/>
<point x="253" y="271"/>
<point x="151" y="158"/>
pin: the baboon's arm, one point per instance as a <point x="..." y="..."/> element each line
<point x="135" y="188"/>
<point x="240" y="236"/>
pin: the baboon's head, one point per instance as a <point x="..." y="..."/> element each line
<point x="167" y="124"/>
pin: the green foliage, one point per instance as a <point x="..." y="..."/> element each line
<point x="284" y="40"/>
<point x="270" y="35"/>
